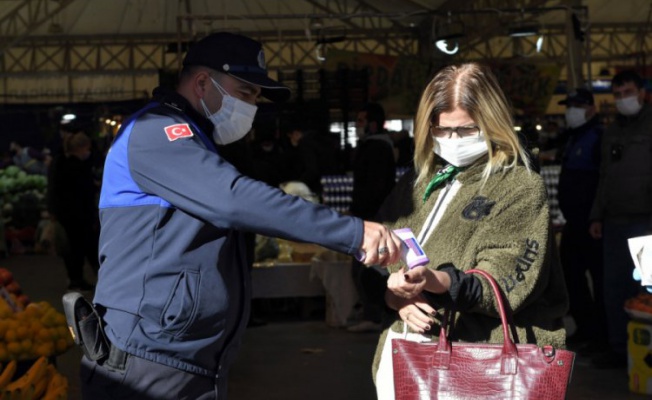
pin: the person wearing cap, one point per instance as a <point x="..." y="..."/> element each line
<point x="174" y="287"/>
<point x="623" y="205"/>
<point x="580" y="253"/>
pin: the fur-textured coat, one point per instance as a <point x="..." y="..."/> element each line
<point x="502" y="227"/>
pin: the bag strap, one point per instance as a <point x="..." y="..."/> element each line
<point x="509" y="354"/>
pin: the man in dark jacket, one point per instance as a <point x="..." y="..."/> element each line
<point x="579" y="252"/>
<point x="623" y="204"/>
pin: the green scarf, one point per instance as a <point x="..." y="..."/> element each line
<point x="448" y="173"/>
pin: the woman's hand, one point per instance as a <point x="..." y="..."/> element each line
<point x="416" y="313"/>
<point x="410" y="283"/>
<point x="406" y="288"/>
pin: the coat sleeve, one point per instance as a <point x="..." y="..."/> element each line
<point x="199" y="182"/>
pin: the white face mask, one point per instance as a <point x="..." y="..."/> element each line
<point x="233" y="120"/>
<point x="628" y="105"/>
<point x="575" y="117"/>
<point x="359" y="132"/>
<point x="461" y="152"/>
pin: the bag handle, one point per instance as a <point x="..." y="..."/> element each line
<point x="509" y="354"/>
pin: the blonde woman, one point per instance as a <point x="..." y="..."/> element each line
<point x="472" y="202"/>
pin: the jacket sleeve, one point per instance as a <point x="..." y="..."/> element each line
<point x="597" y="211"/>
<point x="199" y="182"/>
<point x="464" y="293"/>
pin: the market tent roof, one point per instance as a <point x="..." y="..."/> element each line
<point x="34" y="18"/>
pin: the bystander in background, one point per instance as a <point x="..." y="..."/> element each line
<point x="623" y="205"/>
<point x="72" y="202"/>
<point x="581" y="254"/>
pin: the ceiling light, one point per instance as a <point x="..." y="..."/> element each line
<point x="446" y="35"/>
<point x="539" y="44"/>
<point x="319" y="54"/>
<point x="443" y="46"/>
<point x="68" y="117"/>
<point x="523" y="30"/>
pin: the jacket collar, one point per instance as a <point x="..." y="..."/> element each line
<point x="174" y="100"/>
<point x="623" y="120"/>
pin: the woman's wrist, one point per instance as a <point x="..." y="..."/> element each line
<point x="437" y="281"/>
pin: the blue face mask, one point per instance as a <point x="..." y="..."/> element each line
<point x="233" y="120"/>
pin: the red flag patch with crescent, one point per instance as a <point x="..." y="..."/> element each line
<point x="178" y="131"/>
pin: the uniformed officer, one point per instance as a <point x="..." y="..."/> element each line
<point x="174" y="289"/>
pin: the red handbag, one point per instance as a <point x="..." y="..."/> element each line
<point x="460" y="370"/>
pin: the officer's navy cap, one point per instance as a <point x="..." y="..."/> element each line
<point x="238" y="56"/>
<point x="578" y="96"/>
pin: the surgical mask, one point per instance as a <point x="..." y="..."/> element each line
<point x="359" y="132"/>
<point x="233" y="120"/>
<point x="628" y="105"/>
<point x="575" y="117"/>
<point x="463" y="151"/>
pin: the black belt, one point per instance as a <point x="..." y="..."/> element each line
<point x="117" y="359"/>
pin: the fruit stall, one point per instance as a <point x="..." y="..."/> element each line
<point x="22" y="201"/>
<point x="32" y="335"/>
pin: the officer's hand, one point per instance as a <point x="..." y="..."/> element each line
<point x="380" y="245"/>
<point x="595" y="230"/>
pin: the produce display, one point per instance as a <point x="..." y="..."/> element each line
<point x="41" y="381"/>
<point x="29" y="330"/>
<point x="30" y="333"/>
<point x="642" y="303"/>
<point x="22" y="196"/>
<point x="639" y="308"/>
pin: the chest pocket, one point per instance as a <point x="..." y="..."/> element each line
<point x="629" y="176"/>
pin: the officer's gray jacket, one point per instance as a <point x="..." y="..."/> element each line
<point x="174" y="280"/>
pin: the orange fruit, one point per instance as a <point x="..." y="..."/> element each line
<point x="14" y="347"/>
<point x="43" y="334"/>
<point x="10" y="335"/>
<point x="26" y="345"/>
<point x="22" y="332"/>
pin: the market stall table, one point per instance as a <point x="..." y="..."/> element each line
<point x="327" y="274"/>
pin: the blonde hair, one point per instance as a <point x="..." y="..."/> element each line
<point x="474" y="89"/>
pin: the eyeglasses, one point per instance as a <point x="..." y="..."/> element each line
<point x="447" y="131"/>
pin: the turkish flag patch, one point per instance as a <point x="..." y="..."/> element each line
<point x="178" y="131"/>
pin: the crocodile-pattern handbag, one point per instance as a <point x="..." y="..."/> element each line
<point x="459" y="370"/>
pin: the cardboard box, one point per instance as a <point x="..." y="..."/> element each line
<point x="639" y="352"/>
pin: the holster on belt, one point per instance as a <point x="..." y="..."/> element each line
<point x="86" y="326"/>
